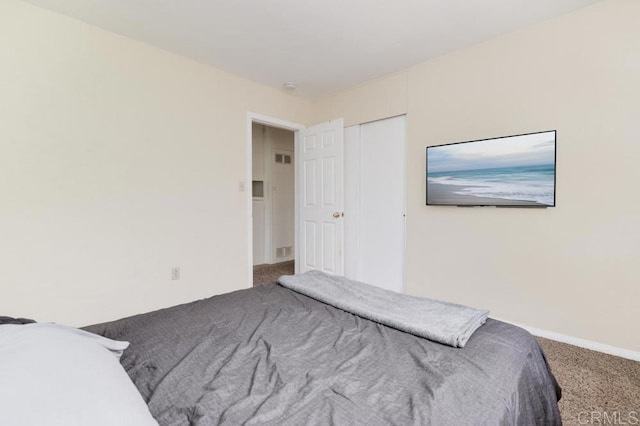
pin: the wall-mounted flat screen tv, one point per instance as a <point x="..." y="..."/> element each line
<point x="509" y="171"/>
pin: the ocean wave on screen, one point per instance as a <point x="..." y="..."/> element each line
<point x="539" y="193"/>
<point x="526" y="183"/>
<point x="450" y="180"/>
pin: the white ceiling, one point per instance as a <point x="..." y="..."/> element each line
<point x="322" y="46"/>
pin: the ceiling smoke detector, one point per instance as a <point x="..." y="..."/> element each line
<point x="290" y="86"/>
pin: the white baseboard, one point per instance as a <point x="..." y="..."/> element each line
<point x="576" y="341"/>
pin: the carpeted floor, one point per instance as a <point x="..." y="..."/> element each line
<point x="263" y="274"/>
<point x="597" y="389"/>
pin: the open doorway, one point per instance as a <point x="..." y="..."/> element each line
<point x="318" y="229"/>
<point x="273" y="202"/>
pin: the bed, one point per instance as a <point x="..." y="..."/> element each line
<point x="270" y="355"/>
<point x="273" y="356"/>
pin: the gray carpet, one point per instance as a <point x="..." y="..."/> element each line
<point x="597" y="389"/>
<point x="264" y="274"/>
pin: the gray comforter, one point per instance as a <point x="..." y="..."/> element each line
<point x="271" y="356"/>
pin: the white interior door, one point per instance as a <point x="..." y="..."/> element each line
<point x="375" y="181"/>
<point x="320" y="194"/>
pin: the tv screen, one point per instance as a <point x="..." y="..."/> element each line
<point x="509" y="171"/>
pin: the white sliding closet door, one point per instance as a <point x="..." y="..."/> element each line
<point x="375" y="181"/>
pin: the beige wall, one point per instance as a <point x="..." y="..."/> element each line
<point x="573" y="269"/>
<point x="118" y="161"/>
<point x="381" y="98"/>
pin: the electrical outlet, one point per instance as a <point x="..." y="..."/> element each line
<point x="175" y="273"/>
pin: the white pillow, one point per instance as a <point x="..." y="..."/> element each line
<point x="56" y="375"/>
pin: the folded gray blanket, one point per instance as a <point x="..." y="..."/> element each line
<point x="441" y="322"/>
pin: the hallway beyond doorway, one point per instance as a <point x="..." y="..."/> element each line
<point x="264" y="274"/>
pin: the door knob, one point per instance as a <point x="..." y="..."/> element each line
<point x="336" y="214"/>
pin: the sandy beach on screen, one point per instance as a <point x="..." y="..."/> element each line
<point x="438" y="193"/>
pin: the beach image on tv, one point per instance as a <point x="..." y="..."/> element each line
<point x="508" y="171"/>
